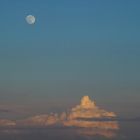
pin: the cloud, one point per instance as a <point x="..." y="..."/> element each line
<point x="40" y="120"/>
<point x="95" y="132"/>
<point x="83" y="115"/>
<point x="78" y="116"/>
<point x="4" y="123"/>
<point x="88" y="109"/>
<point x="86" y="115"/>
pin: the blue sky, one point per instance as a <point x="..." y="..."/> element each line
<point x="76" y="47"/>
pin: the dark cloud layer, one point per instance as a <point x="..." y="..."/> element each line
<point x="129" y="131"/>
<point x="5" y="110"/>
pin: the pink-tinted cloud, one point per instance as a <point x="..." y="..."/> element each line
<point x="4" y="123"/>
<point x="86" y="111"/>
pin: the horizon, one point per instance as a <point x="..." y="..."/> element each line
<point x="53" y="53"/>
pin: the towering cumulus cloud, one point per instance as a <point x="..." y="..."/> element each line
<point x="83" y="115"/>
<point x="88" y="109"/>
<point x="87" y="115"/>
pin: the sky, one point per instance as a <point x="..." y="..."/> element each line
<point x="75" y="48"/>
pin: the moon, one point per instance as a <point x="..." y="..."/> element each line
<point x="30" y="19"/>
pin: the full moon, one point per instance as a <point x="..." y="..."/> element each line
<point x="30" y="19"/>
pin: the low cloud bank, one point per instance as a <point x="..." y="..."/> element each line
<point x="86" y="115"/>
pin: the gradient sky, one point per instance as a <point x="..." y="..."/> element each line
<point x="75" y="48"/>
